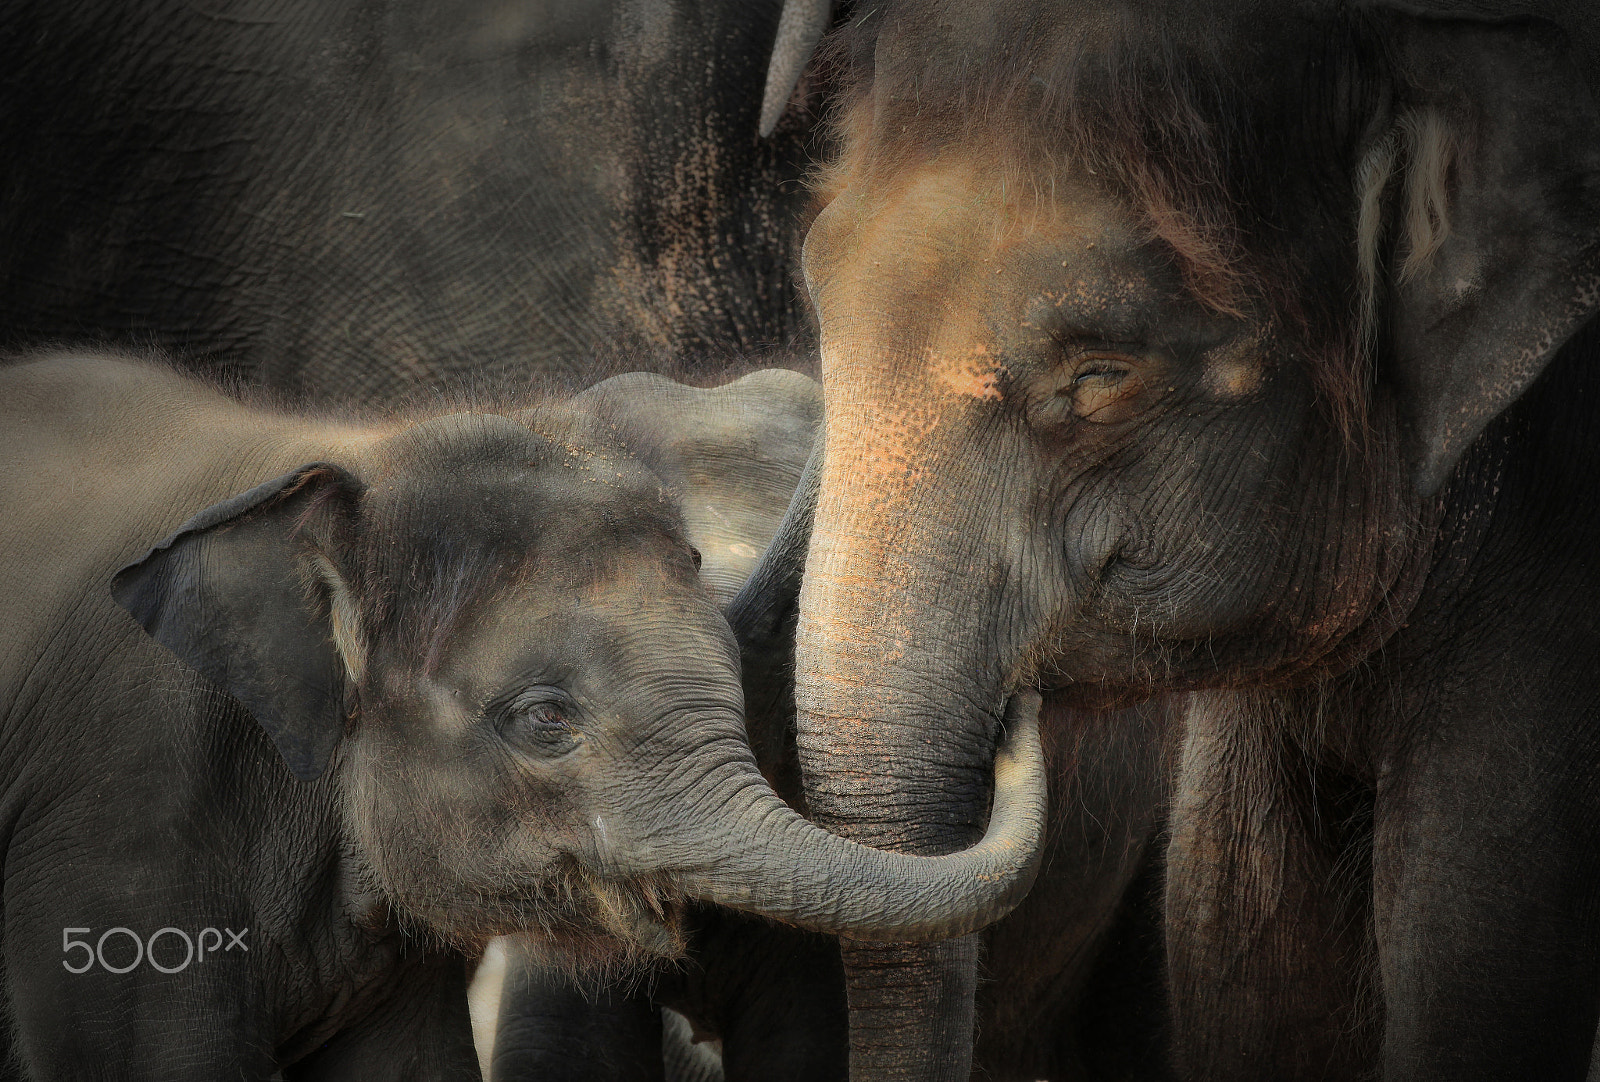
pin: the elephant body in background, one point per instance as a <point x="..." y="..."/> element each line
<point x="344" y="200"/>
<point x="1244" y="351"/>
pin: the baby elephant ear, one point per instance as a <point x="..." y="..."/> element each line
<point x="1498" y="261"/>
<point x="233" y="594"/>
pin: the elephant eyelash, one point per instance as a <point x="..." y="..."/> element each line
<point x="1080" y="358"/>
<point x="1108" y="369"/>
<point x="543" y="708"/>
<point x="539" y="722"/>
<point x="545" y="716"/>
<point x="541" y="696"/>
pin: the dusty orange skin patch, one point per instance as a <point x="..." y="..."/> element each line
<point x="1235" y="370"/>
<point x="1233" y="379"/>
<point x="975" y="375"/>
<point x="902" y="275"/>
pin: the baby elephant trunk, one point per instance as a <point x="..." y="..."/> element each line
<point x="757" y="854"/>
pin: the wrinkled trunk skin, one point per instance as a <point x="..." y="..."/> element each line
<point x="897" y="694"/>
<point x="925" y="991"/>
<point x="742" y="846"/>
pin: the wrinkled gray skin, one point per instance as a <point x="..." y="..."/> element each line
<point x="480" y="646"/>
<point x="1244" y="349"/>
<point x="343" y="199"/>
<point x="1070" y="985"/>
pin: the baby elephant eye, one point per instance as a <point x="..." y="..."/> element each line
<point x="538" y="721"/>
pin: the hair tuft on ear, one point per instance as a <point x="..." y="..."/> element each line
<point x="344" y="618"/>
<point x="1429" y="149"/>
<point x="1372" y="178"/>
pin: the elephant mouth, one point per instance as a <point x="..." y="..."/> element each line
<point x="645" y="918"/>
<point x="574" y="919"/>
<point x="587" y="924"/>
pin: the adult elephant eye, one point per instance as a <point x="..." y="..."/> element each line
<point x="539" y="722"/>
<point x="1103" y="392"/>
<point x="1100" y="388"/>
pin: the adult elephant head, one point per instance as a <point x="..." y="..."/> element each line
<point x="1149" y="335"/>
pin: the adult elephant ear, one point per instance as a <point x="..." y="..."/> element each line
<point x="1498" y="263"/>
<point x="734" y="455"/>
<point x="240" y="594"/>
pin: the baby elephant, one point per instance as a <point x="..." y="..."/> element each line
<point x="441" y="679"/>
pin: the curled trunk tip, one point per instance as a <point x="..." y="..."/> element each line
<point x="777" y="864"/>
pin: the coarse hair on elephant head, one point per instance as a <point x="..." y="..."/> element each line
<point x="1151" y="336"/>
<point x="489" y="632"/>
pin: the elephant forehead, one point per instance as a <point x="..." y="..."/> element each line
<point x="598" y="638"/>
<point x="929" y="283"/>
<point x="937" y="219"/>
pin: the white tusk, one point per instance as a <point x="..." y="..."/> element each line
<point x="800" y="27"/>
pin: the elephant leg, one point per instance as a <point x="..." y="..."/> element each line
<point x="773" y="995"/>
<point x="550" y="1030"/>
<point x="1266" y="933"/>
<point x="1086" y="939"/>
<point x="1101" y="1016"/>
<point x="1486" y="901"/>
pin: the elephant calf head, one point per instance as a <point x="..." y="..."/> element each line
<point x="492" y="632"/>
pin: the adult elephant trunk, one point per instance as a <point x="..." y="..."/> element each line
<point x="899" y="689"/>
<point x="755" y="853"/>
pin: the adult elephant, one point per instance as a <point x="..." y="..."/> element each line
<point x="1243" y="348"/>
<point x="344" y="199"/>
